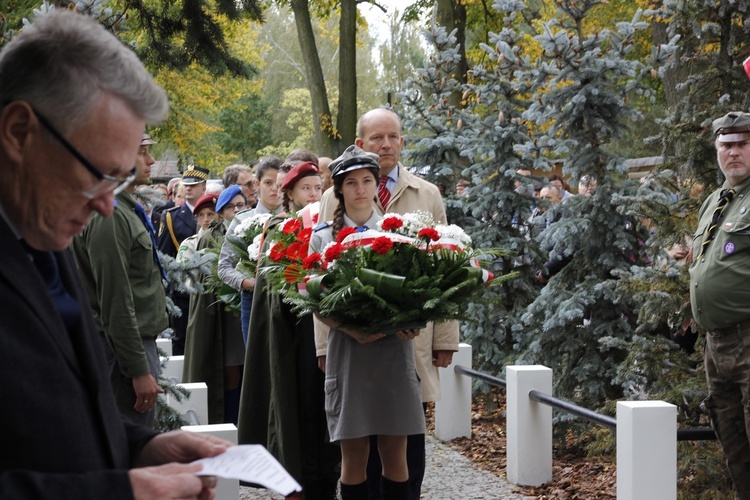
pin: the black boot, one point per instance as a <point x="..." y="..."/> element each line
<point x="394" y="491"/>
<point x="354" y="491"/>
<point x="328" y="488"/>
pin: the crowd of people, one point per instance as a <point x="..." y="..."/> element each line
<point x="327" y="413"/>
<point x="85" y="279"/>
<point x="85" y="293"/>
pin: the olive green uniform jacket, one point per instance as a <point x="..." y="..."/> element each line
<point x="116" y="261"/>
<point x="719" y="291"/>
<point x="282" y="401"/>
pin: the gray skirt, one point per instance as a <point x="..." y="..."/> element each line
<point x="372" y="388"/>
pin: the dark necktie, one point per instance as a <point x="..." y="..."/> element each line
<point x="150" y="228"/>
<point x="383" y="193"/>
<point x="66" y="305"/>
<point x="725" y="197"/>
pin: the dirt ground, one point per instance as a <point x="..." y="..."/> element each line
<point x="574" y="476"/>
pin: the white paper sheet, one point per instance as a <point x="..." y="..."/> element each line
<point x="251" y="463"/>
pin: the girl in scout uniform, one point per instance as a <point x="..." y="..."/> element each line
<point x="371" y="382"/>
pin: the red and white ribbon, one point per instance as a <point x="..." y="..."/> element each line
<point x="366" y="238"/>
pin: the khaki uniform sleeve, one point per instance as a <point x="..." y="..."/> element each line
<point x="321" y="337"/>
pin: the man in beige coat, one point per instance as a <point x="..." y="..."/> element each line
<point x="379" y="132"/>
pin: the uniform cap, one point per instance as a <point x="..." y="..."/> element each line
<point x="206" y="201"/>
<point x="732" y="127"/>
<point x="299" y="171"/>
<point x="146" y="140"/>
<point x="227" y="195"/>
<point x="194" y="175"/>
<point x="353" y="158"/>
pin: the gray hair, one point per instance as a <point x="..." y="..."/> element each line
<point x="64" y="62"/>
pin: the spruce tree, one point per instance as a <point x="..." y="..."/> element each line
<point x="521" y="112"/>
<point x="476" y="141"/>
<point x="579" y="325"/>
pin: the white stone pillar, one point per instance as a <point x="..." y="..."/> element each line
<point x="646" y="450"/>
<point x="226" y="489"/>
<point x="529" y="426"/>
<point x="453" y="411"/>
<point x="198" y="401"/>
<point x="173" y="368"/>
<point x="165" y="345"/>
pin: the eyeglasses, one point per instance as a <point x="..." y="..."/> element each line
<point x="232" y="206"/>
<point x="106" y="182"/>
<point x="247" y="184"/>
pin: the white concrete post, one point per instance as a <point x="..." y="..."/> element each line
<point x="646" y="450"/>
<point x="173" y="368"/>
<point x="453" y="411"/>
<point x="198" y="401"/>
<point x="226" y="489"/>
<point x="529" y="426"/>
<point x="165" y="345"/>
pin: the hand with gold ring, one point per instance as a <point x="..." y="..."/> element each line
<point x="146" y="390"/>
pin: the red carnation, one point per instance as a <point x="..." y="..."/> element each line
<point x="296" y="251"/>
<point x="344" y="233"/>
<point x="311" y="261"/>
<point x="429" y="233"/>
<point x="381" y="245"/>
<point x="334" y="252"/>
<point x="277" y="252"/>
<point x="392" y="223"/>
<point x="292" y="226"/>
<point x="304" y="235"/>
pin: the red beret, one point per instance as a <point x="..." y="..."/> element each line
<point x="206" y="201"/>
<point x="299" y="171"/>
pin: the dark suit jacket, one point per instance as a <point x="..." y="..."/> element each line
<point x="62" y="436"/>
<point x="184" y="225"/>
<point x="157" y="213"/>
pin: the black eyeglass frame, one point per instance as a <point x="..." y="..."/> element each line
<point x="106" y="182"/>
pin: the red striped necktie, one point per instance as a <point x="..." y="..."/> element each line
<point x="383" y="193"/>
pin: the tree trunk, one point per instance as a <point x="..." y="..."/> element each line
<point x="346" y="121"/>
<point x="315" y="82"/>
<point x="451" y="14"/>
<point x="672" y="76"/>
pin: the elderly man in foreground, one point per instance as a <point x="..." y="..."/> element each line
<point x="73" y="105"/>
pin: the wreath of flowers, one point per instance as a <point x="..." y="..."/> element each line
<point x="403" y="274"/>
<point x="246" y="240"/>
<point x="286" y="257"/>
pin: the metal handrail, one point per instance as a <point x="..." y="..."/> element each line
<point x="702" y="434"/>
<point x="494" y="381"/>
<point x="576" y="410"/>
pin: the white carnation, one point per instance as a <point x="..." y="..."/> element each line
<point x="256" y="221"/>
<point x="253" y="251"/>
<point x="454" y="232"/>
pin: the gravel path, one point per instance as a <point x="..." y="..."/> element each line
<point x="449" y="476"/>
